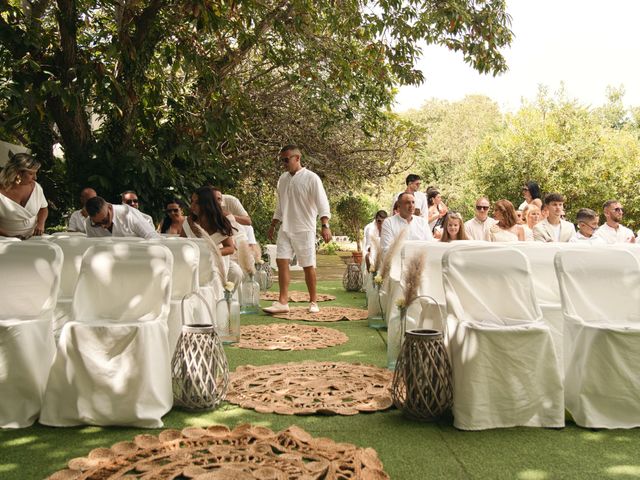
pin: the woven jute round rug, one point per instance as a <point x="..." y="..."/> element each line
<point x="289" y="336"/>
<point x="296" y="296"/>
<point x="326" y="314"/>
<point x="216" y="453"/>
<point x="311" y="387"/>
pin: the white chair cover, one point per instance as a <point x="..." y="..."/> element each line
<point x="505" y="369"/>
<point x="73" y="247"/>
<point x="113" y="365"/>
<point x="600" y="291"/>
<point x="27" y="299"/>
<point x="184" y="299"/>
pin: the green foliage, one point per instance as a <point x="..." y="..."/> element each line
<point x="164" y="96"/>
<point x="330" y="248"/>
<point x="355" y="211"/>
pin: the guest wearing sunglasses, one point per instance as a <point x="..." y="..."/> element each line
<point x="478" y="227"/>
<point x="173" y="218"/>
<point x="611" y="231"/>
<point x="131" y="198"/>
<point x="108" y="220"/>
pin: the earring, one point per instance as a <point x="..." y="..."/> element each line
<point x="18" y="180"/>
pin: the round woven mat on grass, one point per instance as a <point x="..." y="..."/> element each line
<point x="326" y="314"/>
<point x="217" y="453"/>
<point x="311" y="387"/>
<point x="289" y="336"/>
<point x="296" y="296"/>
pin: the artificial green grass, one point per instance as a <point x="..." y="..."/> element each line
<point x="408" y="449"/>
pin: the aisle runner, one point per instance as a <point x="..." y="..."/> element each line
<point x="289" y="336"/>
<point x="326" y="314"/>
<point x="296" y="296"/>
<point x="311" y="387"/>
<point x="216" y="453"/>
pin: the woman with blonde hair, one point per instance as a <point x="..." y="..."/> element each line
<point x="453" y="228"/>
<point x="532" y="215"/>
<point x="507" y="228"/>
<point x="23" y="207"/>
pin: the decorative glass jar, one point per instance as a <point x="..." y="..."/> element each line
<point x="263" y="276"/>
<point x="374" y="302"/>
<point x="249" y="295"/>
<point x="228" y="318"/>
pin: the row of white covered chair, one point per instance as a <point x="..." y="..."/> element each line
<point x="517" y="355"/>
<point x="122" y="316"/>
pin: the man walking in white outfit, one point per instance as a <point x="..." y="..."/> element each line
<point x="301" y="199"/>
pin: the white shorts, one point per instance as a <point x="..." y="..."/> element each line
<point x="302" y="244"/>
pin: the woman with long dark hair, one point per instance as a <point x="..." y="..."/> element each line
<point x="173" y="218"/>
<point x="531" y="194"/>
<point x="507" y="228"/>
<point x="206" y="213"/>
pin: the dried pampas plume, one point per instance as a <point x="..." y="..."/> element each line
<point x="394" y="248"/>
<point x="257" y="253"/>
<point x="376" y="250"/>
<point x="216" y="258"/>
<point x="412" y="276"/>
<point x="245" y="259"/>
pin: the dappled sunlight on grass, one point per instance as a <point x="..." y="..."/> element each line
<point x="19" y="441"/>
<point x="594" y="436"/>
<point x="624" y="470"/>
<point x="351" y="353"/>
<point x="8" y="467"/>
<point x="533" y="475"/>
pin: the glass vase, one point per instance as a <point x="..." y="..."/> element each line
<point x="395" y="334"/>
<point x="228" y="318"/>
<point x="374" y="306"/>
<point x="249" y="296"/>
<point x="263" y="276"/>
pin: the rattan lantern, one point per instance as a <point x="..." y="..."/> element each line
<point x="352" y="278"/>
<point x="199" y="369"/>
<point x="422" y="379"/>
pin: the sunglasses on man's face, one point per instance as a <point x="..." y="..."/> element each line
<point x="618" y="210"/>
<point x="482" y="207"/>
<point x="132" y="201"/>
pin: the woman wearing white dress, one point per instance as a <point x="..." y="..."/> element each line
<point x="531" y="195"/>
<point x="437" y="211"/>
<point x="507" y="228"/>
<point x="532" y="215"/>
<point x="23" y="207"/>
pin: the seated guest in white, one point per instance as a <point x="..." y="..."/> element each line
<point x="371" y="231"/>
<point x="453" y="228"/>
<point x="437" y="211"/>
<point x="507" y="228"/>
<point x="173" y="218"/>
<point x="131" y="198"/>
<point x="587" y="221"/>
<point x="23" y="207"/>
<point x="418" y="228"/>
<point x="478" y="227"/>
<point x="413" y="183"/>
<point x="77" y="220"/>
<point x="553" y="228"/>
<point x="532" y="215"/>
<point x="232" y="205"/>
<point x="531" y="195"/>
<point x="611" y="231"/>
<point x="108" y="220"/>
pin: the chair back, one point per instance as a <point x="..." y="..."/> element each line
<point x="600" y="285"/>
<point x="123" y="282"/>
<point x="31" y="273"/>
<point x="489" y="284"/>
<point x="186" y="258"/>
<point x="73" y="247"/>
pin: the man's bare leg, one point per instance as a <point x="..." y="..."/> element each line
<point x="310" y="280"/>
<point x="283" y="279"/>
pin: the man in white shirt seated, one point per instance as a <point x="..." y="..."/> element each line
<point x="587" y="221"/>
<point x="131" y="198"/>
<point x="301" y="200"/>
<point x="418" y="228"/>
<point x="611" y="231"/>
<point x="478" y="227"/>
<point x="108" y="220"/>
<point x="413" y="187"/>
<point x="77" y="219"/>
<point x="553" y="228"/>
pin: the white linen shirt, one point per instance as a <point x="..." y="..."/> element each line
<point x="127" y="222"/>
<point x="477" y="230"/>
<point x="612" y="235"/>
<point x="392" y="226"/>
<point x="370" y="231"/>
<point x="76" y="222"/>
<point x="301" y="199"/>
<point x="233" y="205"/>
<point x="420" y="203"/>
